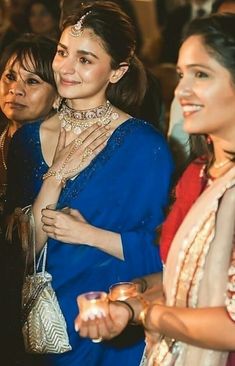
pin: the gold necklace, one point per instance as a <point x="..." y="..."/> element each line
<point x="221" y="164"/>
<point x="2" y="144"/>
<point x="79" y="120"/>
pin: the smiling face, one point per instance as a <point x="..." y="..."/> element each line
<point x="24" y="96"/>
<point x="82" y="69"/>
<point x="205" y="91"/>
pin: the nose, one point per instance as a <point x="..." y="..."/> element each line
<point x="67" y="67"/>
<point x="183" y="89"/>
<point x="17" y="89"/>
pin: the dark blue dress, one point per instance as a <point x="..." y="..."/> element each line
<point x="125" y="189"/>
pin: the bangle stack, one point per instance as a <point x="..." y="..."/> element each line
<point x="142" y="314"/>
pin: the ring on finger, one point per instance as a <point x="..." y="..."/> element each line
<point x="78" y="142"/>
<point x="87" y="152"/>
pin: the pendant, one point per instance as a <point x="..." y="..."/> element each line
<point x="77" y="130"/>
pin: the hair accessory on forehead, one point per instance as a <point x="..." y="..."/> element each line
<point x="77" y="28"/>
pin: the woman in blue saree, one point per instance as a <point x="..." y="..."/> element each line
<point x="110" y="182"/>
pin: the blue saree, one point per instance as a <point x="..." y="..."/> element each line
<point x="125" y="189"/>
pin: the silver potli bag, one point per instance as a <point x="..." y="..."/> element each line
<point x="43" y="324"/>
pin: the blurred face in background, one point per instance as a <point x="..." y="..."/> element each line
<point x="24" y="96"/>
<point x="227" y="7"/>
<point x="40" y="20"/>
<point x="17" y="10"/>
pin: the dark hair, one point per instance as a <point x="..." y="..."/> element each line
<point x="35" y="49"/>
<point x="218" y="34"/>
<point x="116" y="31"/>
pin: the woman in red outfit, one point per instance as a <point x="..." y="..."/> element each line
<point x="190" y="320"/>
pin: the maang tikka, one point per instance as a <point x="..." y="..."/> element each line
<point x="77" y="28"/>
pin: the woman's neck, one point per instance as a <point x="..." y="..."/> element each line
<point x="13" y="127"/>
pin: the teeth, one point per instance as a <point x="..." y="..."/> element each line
<point x="191" y="108"/>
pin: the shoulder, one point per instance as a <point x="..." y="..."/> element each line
<point x="142" y="133"/>
<point x="141" y="142"/>
<point x="28" y="130"/>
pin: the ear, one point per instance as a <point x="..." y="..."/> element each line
<point x="118" y="73"/>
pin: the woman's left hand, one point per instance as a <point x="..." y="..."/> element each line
<point x="106" y="327"/>
<point x="66" y="225"/>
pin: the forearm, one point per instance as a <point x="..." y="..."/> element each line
<point x="107" y="241"/>
<point x="48" y="194"/>
<point x="149" y="283"/>
<point x="207" y="327"/>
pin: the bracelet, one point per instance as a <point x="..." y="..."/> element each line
<point x="144" y="308"/>
<point x="57" y="175"/>
<point x="142" y="314"/>
<point x="143" y="284"/>
<point x="131" y="320"/>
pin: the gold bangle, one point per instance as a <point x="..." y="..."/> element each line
<point x="140" y="319"/>
<point x="143" y="312"/>
<point x="142" y="282"/>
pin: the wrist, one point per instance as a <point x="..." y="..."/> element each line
<point x="58" y="177"/>
<point x="129" y="308"/>
<point x="138" y="307"/>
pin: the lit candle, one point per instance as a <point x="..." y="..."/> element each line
<point x="122" y="291"/>
<point x="93" y="304"/>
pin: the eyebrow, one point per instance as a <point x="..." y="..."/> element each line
<point x="83" y="52"/>
<point x="195" y="65"/>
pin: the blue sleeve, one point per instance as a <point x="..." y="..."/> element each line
<point x="25" y="167"/>
<point x="153" y="171"/>
<point x="14" y="169"/>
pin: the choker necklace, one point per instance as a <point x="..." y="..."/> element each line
<point x="221" y="164"/>
<point x="79" y="120"/>
<point x="2" y="145"/>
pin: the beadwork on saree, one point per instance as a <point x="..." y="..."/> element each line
<point x="193" y="263"/>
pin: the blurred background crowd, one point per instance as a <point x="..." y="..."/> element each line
<point x="159" y="25"/>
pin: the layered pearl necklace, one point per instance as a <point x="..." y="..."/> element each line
<point x="2" y="145"/>
<point x="79" y="120"/>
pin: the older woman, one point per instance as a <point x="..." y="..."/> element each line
<point x="27" y="93"/>
<point x="27" y="90"/>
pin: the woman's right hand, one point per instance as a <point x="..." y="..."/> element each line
<point x="70" y="160"/>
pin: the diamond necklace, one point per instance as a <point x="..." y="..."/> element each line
<point x="2" y="144"/>
<point x="79" y="120"/>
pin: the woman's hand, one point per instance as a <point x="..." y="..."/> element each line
<point x="70" y="160"/>
<point x="66" y="225"/>
<point x="106" y="327"/>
